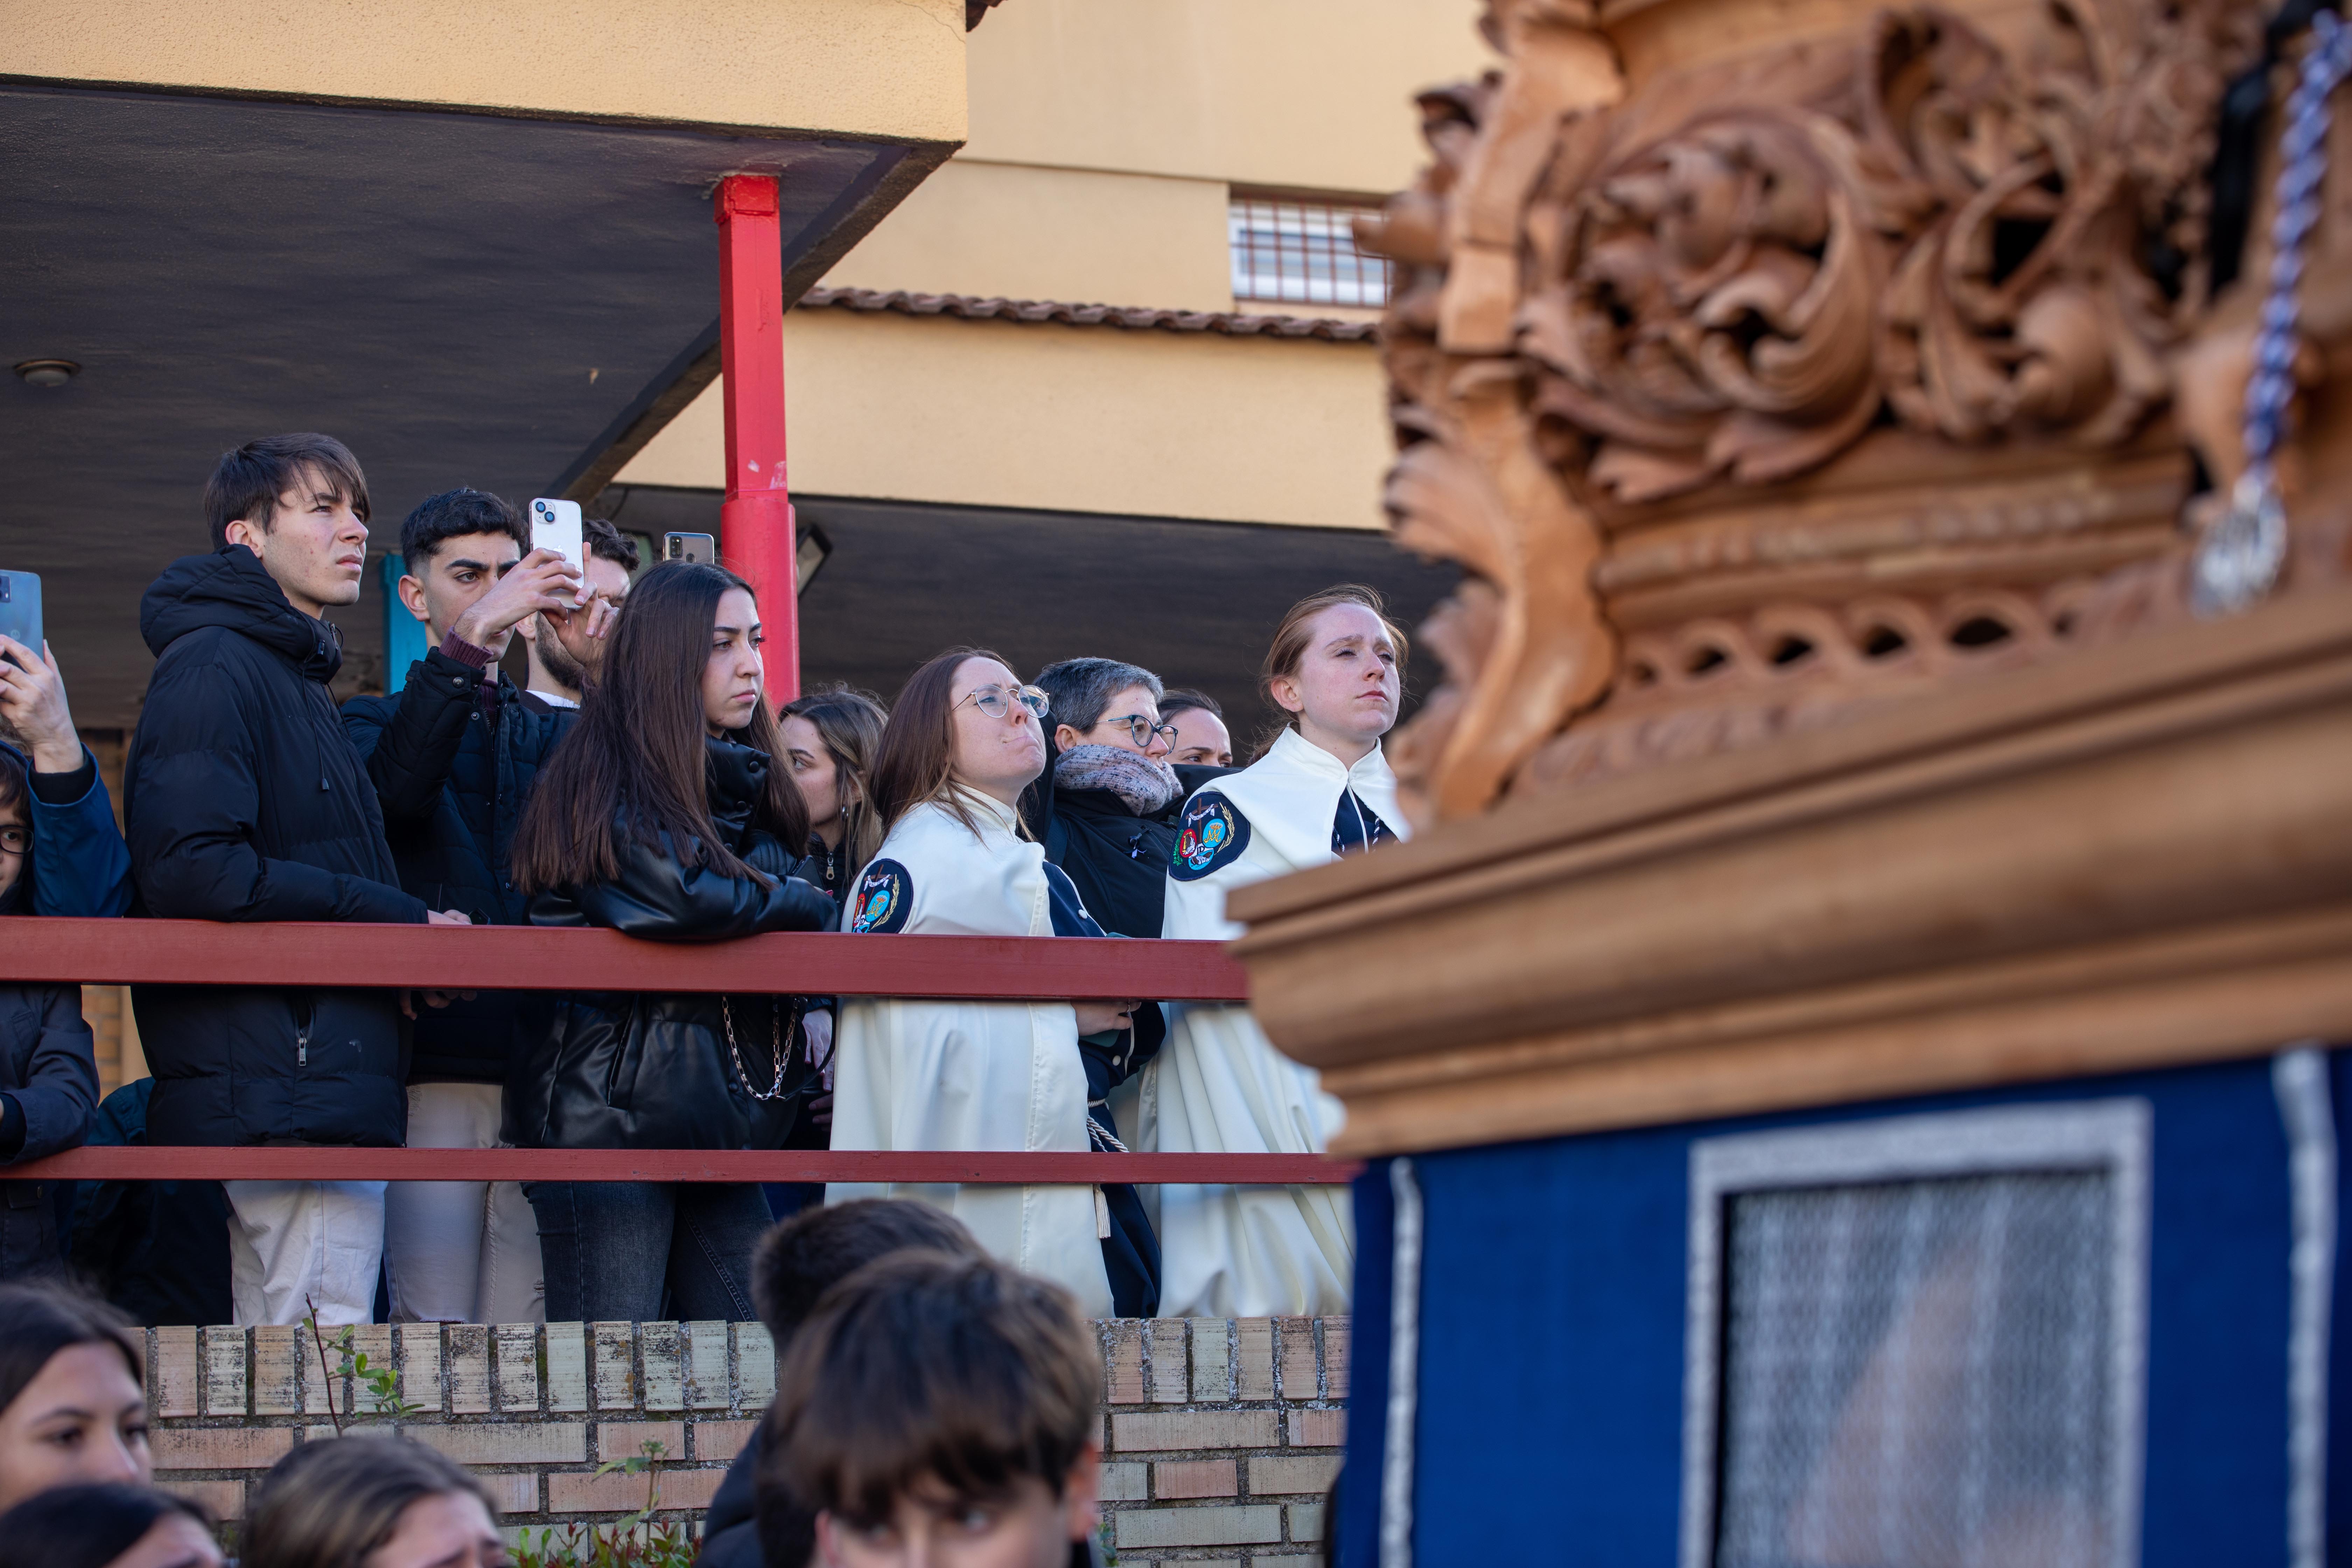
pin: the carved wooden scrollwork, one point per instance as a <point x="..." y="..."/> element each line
<point x="1746" y="271"/>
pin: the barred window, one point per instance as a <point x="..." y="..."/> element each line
<point x="1303" y="252"/>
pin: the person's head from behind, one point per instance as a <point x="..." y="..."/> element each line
<point x="15" y="829"/>
<point x="370" y="1503"/>
<point x="1335" y="669"/>
<point x="454" y="547"/>
<point x="300" y="503"/>
<point x="72" y="1407"/>
<point x="108" y="1524"/>
<point x="1103" y="702"/>
<point x="1201" y="739"/>
<point x="964" y="725"/>
<point x="830" y="737"/>
<point x="940" y="1412"/>
<point x="803" y="1257"/>
<point x="563" y="654"/>
<point x="683" y="667"/>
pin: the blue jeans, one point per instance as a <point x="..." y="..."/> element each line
<point x="647" y="1251"/>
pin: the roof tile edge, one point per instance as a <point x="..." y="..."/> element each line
<point x="970" y="308"/>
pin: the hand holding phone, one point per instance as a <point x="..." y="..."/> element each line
<point x="33" y="706"/>
<point x="555" y="525"/>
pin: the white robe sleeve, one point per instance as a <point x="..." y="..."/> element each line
<point x="1218" y="1086"/>
<point x="916" y="1074"/>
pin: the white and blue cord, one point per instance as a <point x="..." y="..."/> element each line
<point x="2239" y="558"/>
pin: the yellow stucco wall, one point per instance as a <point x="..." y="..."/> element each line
<point x="873" y="68"/>
<point x="1030" y="233"/>
<point x="1313" y="93"/>
<point x="1067" y="418"/>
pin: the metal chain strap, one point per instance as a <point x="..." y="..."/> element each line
<point x="775" y="1046"/>
<point x="2240" y="557"/>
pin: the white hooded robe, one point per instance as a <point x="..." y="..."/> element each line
<point x="1219" y="1086"/>
<point x="915" y="1074"/>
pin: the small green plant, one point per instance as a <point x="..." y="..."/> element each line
<point x="633" y="1541"/>
<point x="380" y="1384"/>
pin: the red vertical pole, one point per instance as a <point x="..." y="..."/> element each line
<point x="756" y="537"/>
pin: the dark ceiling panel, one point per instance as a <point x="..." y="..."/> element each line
<point x="463" y="299"/>
<point x="1196" y="603"/>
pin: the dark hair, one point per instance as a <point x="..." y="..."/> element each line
<point x="246" y="483"/>
<point x="850" y="722"/>
<point x="803" y="1257"/>
<point x="453" y="514"/>
<point x="638" y="748"/>
<point x="334" y="1501"/>
<point x="13" y="785"/>
<point x="1184" y="698"/>
<point x="916" y="761"/>
<point x="606" y="542"/>
<point x="87" y="1525"/>
<point x="960" y="1370"/>
<point x="1082" y="688"/>
<point x="37" y="1321"/>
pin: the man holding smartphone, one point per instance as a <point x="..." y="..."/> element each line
<point x="245" y="802"/>
<point x="452" y="758"/>
<point x="567" y="645"/>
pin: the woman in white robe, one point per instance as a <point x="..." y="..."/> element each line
<point x="1323" y="789"/>
<point x="961" y="745"/>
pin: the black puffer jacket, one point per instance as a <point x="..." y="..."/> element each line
<point x="1118" y="860"/>
<point x="451" y="775"/>
<point x="246" y="801"/>
<point x="651" y="1071"/>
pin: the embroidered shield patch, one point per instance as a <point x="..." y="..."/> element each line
<point x="1213" y="834"/>
<point x="885" y="894"/>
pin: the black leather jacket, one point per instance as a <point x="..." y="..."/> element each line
<point x="621" y="1070"/>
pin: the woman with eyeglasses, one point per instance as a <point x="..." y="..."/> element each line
<point x="963" y="741"/>
<point x="1322" y="789"/>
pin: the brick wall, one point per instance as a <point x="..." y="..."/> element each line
<point x="1220" y="1436"/>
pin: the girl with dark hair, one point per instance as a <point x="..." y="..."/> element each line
<point x="962" y="743"/>
<point x="664" y="814"/>
<point x="370" y="1502"/>
<point x="1321" y="790"/>
<point x="108" y="1524"/>
<point x="830" y="736"/>
<point x="72" y="1407"/>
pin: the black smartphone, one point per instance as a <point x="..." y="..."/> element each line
<point x="20" y="611"/>
<point x="697" y="547"/>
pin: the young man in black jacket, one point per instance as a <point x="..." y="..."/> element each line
<point x="245" y="802"/>
<point x="452" y="758"/>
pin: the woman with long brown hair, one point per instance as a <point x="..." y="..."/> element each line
<point x="962" y="743"/>
<point x="665" y="815"/>
<point x="1321" y="790"/>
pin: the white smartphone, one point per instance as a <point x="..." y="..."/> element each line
<point x="555" y="525"/>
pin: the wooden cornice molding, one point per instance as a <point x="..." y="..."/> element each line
<point x="2137" y="856"/>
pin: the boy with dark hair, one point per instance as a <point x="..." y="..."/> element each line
<point x="452" y="758"/>
<point x="798" y="1261"/>
<point x="245" y="802"/>
<point x="941" y="1409"/>
<point x="566" y="646"/>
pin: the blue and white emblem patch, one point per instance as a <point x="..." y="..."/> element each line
<point x="1213" y="834"/>
<point x="885" y="895"/>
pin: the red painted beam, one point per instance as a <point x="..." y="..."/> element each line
<point x="534" y="958"/>
<point x="278" y="1164"/>
<point x="756" y="538"/>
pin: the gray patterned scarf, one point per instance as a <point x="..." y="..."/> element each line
<point x="1146" y="784"/>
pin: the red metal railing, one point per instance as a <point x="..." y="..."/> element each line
<point x="529" y="958"/>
